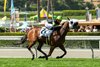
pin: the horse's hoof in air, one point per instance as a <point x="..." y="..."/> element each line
<point x="33" y="57"/>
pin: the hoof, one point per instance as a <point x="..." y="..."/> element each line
<point x="41" y="56"/>
<point x="33" y="57"/>
<point x="46" y="58"/>
<point x="58" y="57"/>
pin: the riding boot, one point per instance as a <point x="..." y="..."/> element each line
<point x="40" y="35"/>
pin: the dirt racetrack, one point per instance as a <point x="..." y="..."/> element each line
<point x="71" y="53"/>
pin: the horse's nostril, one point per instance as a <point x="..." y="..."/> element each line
<point x="76" y="23"/>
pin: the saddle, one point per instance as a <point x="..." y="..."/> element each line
<point x="45" y="32"/>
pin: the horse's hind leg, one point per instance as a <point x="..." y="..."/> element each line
<point x="29" y="48"/>
<point x="39" y="49"/>
<point x="51" y="50"/>
<point x="63" y="49"/>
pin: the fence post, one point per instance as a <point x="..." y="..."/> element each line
<point x="99" y="44"/>
<point x="97" y="13"/>
<point x="91" y="49"/>
<point x="87" y="14"/>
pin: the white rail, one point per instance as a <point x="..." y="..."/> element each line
<point x="82" y="38"/>
<point x="67" y="37"/>
<point x="10" y="37"/>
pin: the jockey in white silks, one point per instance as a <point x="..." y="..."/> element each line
<point x="49" y="25"/>
<point x="46" y="31"/>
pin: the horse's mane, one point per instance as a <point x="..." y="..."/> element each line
<point x="64" y="29"/>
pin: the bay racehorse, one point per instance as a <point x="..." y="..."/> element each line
<point x="57" y="39"/>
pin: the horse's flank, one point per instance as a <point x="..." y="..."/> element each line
<point x="33" y="34"/>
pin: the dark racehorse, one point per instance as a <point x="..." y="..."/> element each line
<point x="56" y="40"/>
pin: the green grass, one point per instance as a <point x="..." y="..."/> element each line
<point x="65" y="62"/>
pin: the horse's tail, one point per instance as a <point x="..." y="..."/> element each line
<point x="23" y="40"/>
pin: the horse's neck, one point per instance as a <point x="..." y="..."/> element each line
<point x="64" y="29"/>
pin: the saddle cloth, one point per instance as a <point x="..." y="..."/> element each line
<point x="45" y="32"/>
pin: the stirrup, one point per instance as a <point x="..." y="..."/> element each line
<point x="48" y="38"/>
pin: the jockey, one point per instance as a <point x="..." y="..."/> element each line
<point x="50" y="26"/>
<point x="57" y="22"/>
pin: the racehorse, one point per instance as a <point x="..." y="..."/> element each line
<point x="56" y="40"/>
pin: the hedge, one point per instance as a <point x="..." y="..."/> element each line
<point x="68" y="44"/>
<point x="12" y="34"/>
<point x="77" y="12"/>
<point x="64" y="13"/>
<point x="69" y="34"/>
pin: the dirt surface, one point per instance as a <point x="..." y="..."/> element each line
<point x="71" y="53"/>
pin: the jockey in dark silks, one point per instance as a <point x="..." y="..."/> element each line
<point x="50" y="26"/>
<point x="56" y="23"/>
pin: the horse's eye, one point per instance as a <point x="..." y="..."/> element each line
<point x="71" y="22"/>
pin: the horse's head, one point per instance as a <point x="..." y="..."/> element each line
<point x="73" y="23"/>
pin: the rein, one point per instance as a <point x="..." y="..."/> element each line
<point x="64" y="28"/>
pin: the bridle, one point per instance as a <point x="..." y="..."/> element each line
<point x="63" y="28"/>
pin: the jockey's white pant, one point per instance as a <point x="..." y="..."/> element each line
<point x="45" y="31"/>
<point x="48" y="25"/>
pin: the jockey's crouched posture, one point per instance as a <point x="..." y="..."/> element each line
<point x="50" y="26"/>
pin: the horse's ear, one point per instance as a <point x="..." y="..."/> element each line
<point x="68" y="18"/>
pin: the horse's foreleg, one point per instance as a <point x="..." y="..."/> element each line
<point x="29" y="48"/>
<point x="39" y="49"/>
<point x="63" y="49"/>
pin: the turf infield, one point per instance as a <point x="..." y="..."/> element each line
<point x="52" y="62"/>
